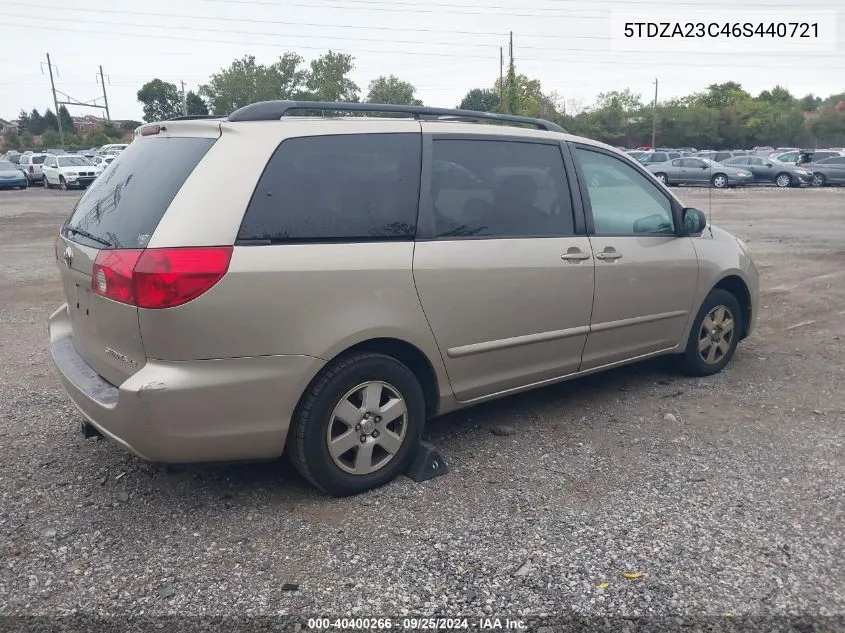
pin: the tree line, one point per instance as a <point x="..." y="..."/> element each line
<point x="46" y="126"/>
<point x="721" y="116"/>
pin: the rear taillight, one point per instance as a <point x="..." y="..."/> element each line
<point x="111" y="276"/>
<point x="159" y="277"/>
<point x="31" y="169"/>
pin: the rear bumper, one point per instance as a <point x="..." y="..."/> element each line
<point x="188" y="411"/>
<point x="20" y="182"/>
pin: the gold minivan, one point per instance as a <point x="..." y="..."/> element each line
<point x="357" y="275"/>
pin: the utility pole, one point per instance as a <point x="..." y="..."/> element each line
<point x="55" y="100"/>
<point x="105" y="98"/>
<point x="184" y="99"/>
<point x="501" y="79"/>
<point x="654" y="118"/>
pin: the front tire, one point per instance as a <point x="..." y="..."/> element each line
<point x="362" y="395"/>
<point x="662" y="178"/>
<point x="714" y="335"/>
<point x="62" y="183"/>
<point x="783" y="180"/>
<point x="719" y="181"/>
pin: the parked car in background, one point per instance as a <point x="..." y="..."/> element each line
<point x="717" y="157"/>
<point x="766" y="169"/>
<point x="112" y="147"/>
<point x="55" y="151"/>
<point x="13" y="157"/>
<point x="162" y="269"/>
<point x="647" y="158"/>
<point x="31" y="165"/>
<point x="11" y="176"/>
<point x="66" y="171"/>
<point x="700" y="171"/>
<point x="634" y="153"/>
<point x="828" y="171"/>
<point x="815" y="155"/>
<point x="786" y="157"/>
<point x="102" y="161"/>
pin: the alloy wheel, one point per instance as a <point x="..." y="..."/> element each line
<point x="367" y="428"/>
<point x="716" y="335"/>
<point x="783" y="180"/>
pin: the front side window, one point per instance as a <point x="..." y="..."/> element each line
<point x="791" y="157"/>
<point x="632" y="204"/>
<point x="484" y="188"/>
<point x="337" y="188"/>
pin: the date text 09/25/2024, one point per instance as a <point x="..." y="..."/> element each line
<point x="416" y="624"/>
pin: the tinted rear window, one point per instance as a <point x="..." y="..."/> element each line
<point x="37" y="160"/>
<point x="337" y="188"/>
<point x="125" y="204"/>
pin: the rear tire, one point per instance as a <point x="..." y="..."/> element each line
<point x="819" y="180"/>
<point x="47" y="183"/>
<point x="662" y="178"/>
<point x="332" y="406"/>
<point x="714" y="335"/>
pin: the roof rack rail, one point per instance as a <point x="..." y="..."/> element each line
<point x="274" y="110"/>
<point x="192" y="117"/>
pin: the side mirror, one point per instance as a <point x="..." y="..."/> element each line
<point x="693" y="221"/>
<point x="769" y="165"/>
<point x="704" y="167"/>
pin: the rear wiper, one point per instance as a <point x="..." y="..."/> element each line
<point x="85" y="233"/>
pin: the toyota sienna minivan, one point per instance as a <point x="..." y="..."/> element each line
<point x="358" y="275"/>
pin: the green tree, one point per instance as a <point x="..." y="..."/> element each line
<point x="511" y="92"/>
<point x="36" y="123"/>
<point x="329" y="79"/>
<point x="112" y="131"/>
<point x="392" y="90"/>
<point x="829" y="128"/>
<point x="66" y="119"/>
<point x="721" y="95"/>
<point x="23" y="121"/>
<point x="50" y="138"/>
<point x="195" y="103"/>
<point x="12" y="139"/>
<point x="50" y="121"/>
<point x="777" y="96"/>
<point x="97" y="139"/>
<point x="27" y="142"/>
<point x="810" y="103"/>
<point x="480" y="100"/>
<point x="161" y="100"/>
<point x="245" y="82"/>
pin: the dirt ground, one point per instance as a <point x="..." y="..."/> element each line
<point x="734" y="505"/>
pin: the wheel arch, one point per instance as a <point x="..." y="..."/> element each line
<point x="739" y="289"/>
<point x="409" y="355"/>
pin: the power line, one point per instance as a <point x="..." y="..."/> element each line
<point x="365" y="39"/>
<point x="41" y="26"/>
<point x="439" y="7"/>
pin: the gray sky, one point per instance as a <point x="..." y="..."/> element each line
<point x="443" y="47"/>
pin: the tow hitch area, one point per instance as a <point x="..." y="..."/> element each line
<point x="89" y="430"/>
<point x="428" y="464"/>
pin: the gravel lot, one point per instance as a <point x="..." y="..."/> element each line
<point x="731" y="504"/>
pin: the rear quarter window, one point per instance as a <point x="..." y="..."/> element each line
<point x="125" y="204"/>
<point x="357" y="187"/>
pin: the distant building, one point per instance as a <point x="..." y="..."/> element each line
<point x="83" y="125"/>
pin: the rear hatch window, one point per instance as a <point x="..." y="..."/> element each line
<point x="122" y="208"/>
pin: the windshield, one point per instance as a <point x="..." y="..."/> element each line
<point x="73" y="161"/>
<point x="6" y="166"/>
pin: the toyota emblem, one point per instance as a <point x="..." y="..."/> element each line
<point x="68" y="256"/>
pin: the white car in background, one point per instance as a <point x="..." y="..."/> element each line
<point x="101" y="162"/>
<point x="67" y="170"/>
<point x="112" y="147"/>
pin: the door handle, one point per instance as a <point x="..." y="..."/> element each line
<point x="575" y="255"/>
<point x="609" y="254"/>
